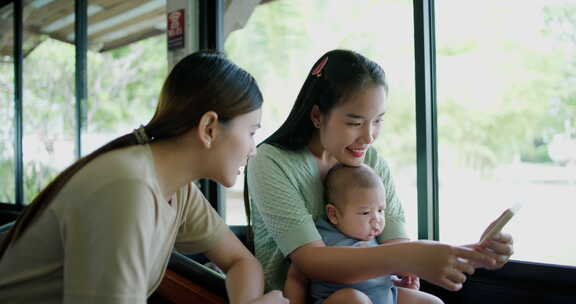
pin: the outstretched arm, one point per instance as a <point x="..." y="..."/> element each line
<point x="406" y="280"/>
<point x="244" y="278"/>
<point x="438" y="263"/>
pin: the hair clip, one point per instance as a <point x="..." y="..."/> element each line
<point x="318" y="69"/>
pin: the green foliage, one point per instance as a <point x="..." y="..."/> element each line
<point x="37" y="175"/>
<point x="497" y="92"/>
<point x="454" y="48"/>
<point x="7" y="180"/>
<point x="264" y="57"/>
<point x="536" y="154"/>
<point x="560" y="22"/>
<point x="123" y="87"/>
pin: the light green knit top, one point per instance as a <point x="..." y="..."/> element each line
<point x="286" y="199"/>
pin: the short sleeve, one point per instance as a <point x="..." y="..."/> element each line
<point x="107" y="243"/>
<point x="395" y="218"/>
<point x="201" y="226"/>
<point x="279" y="202"/>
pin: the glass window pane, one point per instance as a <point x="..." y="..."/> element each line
<point x="507" y="122"/>
<point x="49" y="96"/>
<point x="282" y="40"/>
<point x="125" y="73"/>
<point x="123" y="89"/>
<point x="7" y="155"/>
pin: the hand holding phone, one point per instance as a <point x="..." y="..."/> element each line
<point x="500" y="222"/>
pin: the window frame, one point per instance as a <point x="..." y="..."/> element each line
<point x="426" y="128"/>
<point x="81" y="88"/>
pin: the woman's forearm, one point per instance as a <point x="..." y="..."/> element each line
<point x="398" y="240"/>
<point x="244" y="281"/>
<point x="244" y="278"/>
<point x="347" y="265"/>
<point x="438" y="263"/>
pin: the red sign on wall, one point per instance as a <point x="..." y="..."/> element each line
<point x="175" y="29"/>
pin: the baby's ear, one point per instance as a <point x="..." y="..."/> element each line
<point x="331" y="214"/>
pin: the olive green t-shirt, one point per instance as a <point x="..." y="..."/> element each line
<point x="287" y="198"/>
<point x="107" y="236"/>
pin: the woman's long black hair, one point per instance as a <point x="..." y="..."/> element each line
<point x="343" y="74"/>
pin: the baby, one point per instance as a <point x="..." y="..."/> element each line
<point x="355" y="208"/>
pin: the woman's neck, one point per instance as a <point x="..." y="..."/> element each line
<point x="174" y="168"/>
<point x="324" y="160"/>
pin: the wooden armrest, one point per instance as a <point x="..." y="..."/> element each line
<point x="178" y="289"/>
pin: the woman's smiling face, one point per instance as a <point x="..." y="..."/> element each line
<point x="351" y="127"/>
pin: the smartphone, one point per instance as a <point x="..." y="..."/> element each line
<point x="501" y="222"/>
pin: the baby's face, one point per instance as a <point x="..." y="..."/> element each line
<point x="362" y="214"/>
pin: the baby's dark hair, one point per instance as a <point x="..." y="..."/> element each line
<point x="341" y="178"/>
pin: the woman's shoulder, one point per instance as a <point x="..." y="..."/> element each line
<point x="131" y="164"/>
<point x="266" y="149"/>
<point x="272" y="162"/>
<point x="270" y="153"/>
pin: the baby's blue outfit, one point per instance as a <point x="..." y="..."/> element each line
<point x="381" y="290"/>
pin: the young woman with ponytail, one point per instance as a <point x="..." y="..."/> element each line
<point x="102" y="231"/>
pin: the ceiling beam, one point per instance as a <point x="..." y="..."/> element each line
<point x="131" y="39"/>
<point x="110" y="8"/>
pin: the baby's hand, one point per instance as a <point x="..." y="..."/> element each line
<point x="407" y="280"/>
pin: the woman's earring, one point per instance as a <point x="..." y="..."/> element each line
<point x="316" y="124"/>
